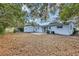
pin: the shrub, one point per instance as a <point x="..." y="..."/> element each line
<point x="1" y="29"/>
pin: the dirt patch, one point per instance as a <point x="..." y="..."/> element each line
<point x="42" y="45"/>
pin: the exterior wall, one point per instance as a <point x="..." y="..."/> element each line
<point x="28" y="29"/>
<point x="39" y="29"/>
<point x="33" y="29"/>
<point x="65" y="30"/>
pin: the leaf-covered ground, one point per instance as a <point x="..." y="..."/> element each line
<point x="24" y="44"/>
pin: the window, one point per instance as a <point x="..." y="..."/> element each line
<point x="60" y="26"/>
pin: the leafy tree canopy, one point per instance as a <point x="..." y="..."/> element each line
<point x="68" y="11"/>
<point x="11" y="15"/>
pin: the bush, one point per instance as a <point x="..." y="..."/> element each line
<point x="1" y="29"/>
<point x="21" y="29"/>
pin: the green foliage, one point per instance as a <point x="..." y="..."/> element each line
<point x="10" y="16"/>
<point x="68" y="11"/>
<point x="1" y="29"/>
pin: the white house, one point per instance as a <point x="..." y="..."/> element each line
<point x="62" y="29"/>
<point x="31" y="29"/>
<point x="53" y="28"/>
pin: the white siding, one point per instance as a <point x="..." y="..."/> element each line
<point x="28" y="29"/>
<point x="33" y="29"/>
<point x="65" y="30"/>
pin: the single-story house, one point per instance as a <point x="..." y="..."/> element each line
<point x="54" y="28"/>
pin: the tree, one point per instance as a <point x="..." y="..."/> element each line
<point x="68" y="11"/>
<point x="11" y="15"/>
